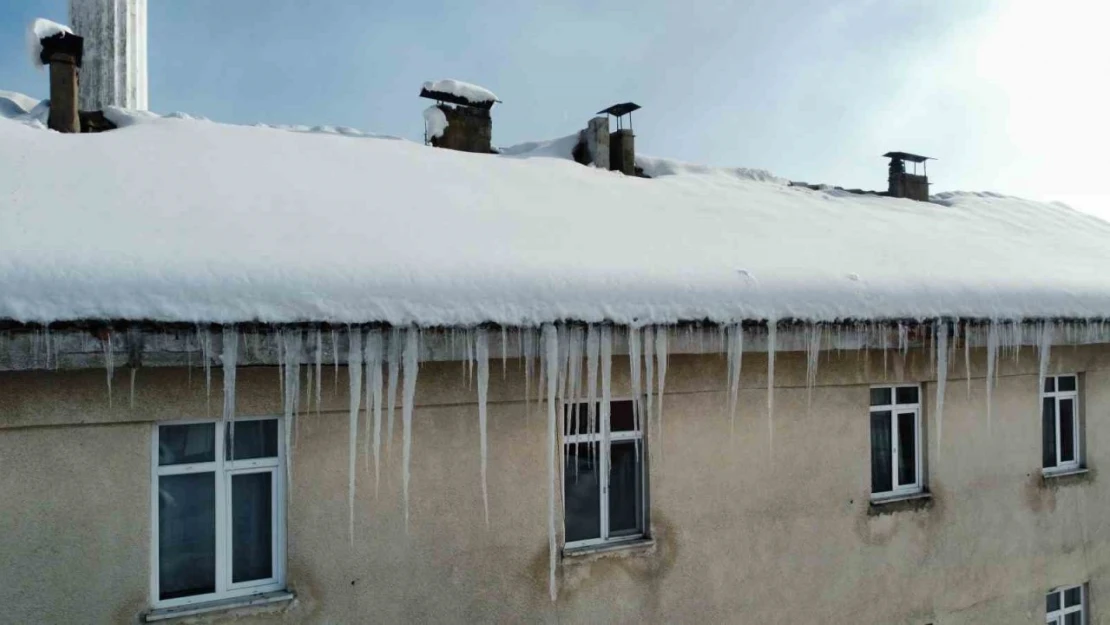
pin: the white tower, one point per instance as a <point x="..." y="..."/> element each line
<point x="114" y="68"/>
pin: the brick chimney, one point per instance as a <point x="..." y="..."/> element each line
<point x="906" y="185"/>
<point x="63" y="52"/>
<point x="463" y="120"/>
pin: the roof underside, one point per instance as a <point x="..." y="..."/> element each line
<point x="175" y="220"/>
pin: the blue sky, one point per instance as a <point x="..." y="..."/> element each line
<point x="1009" y="95"/>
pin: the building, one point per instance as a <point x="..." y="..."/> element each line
<point x="263" y="375"/>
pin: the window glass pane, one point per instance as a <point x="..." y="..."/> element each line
<point x="583" y="491"/>
<point x="880" y="452"/>
<point x="186" y="444"/>
<point x="621" y="417"/>
<point x="906" y="394"/>
<point x="186" y="535"/>
<point x="252" y="439"/>
<point x="625" y="490"/>
<point x="1072" y="597"/>
<point x="252" y="526"/>
<point x="1075" y="618"/>
<point x="881" y="396"/>
<point x="1052" y="602"/>
<point x="1048" y="433"/>
<point x="579" y="421"/>
<point x="1049" y="384"/>
<point x="1067" y="430"/>
<point x="907" y="449"/>
<point x="1065" y="383"/>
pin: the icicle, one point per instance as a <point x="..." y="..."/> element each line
<point x="354" y="376"/>
<point x="290" y="341"/>
<point x="374" y="352"/>
<point x="206" y="352"/>
<point x="551" y="356"/>
<point x="992" y="362"/>
<point x="606" y="378"/>
<point x="661" y="371"/>
<point x="967" y="358"/>
<point x="813" y="352"/>
<point x="335" y="360"/>
<point x="575" y="347"/>
<point x="504" y="352"/>
<point x="393" y="359"/>
<point x="942" y="376"/>
<point x="735" y="366"/>
<point x="528" y="351"/>
<point x="593" y="346"/>
<point x="482" y="353"/>
<point x="131" y="398"/>
<point x="109" y="365"/>
<point x="1045" y="350"/>
<point x="648" y="342"/>
<point x="229" y="361"/>
<point x="319" y="368"/>
<point x="772" y="331"/>
<point x="634" y="366"/>
<point x="409" y="389"/>
<point x="885" y="334"/>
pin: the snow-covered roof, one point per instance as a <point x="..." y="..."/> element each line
<point x="182" y="220"/>
<point x="461" y="89"/>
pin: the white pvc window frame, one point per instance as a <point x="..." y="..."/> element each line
<point x="603" y="440"/>
<point x="1059" y="616"/>
<point x="224" y="470"/>
<point x="895" y="408"/>
<point x="1060" y="397"/>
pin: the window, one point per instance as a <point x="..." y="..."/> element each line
<point x="603" y="475"/>
<point x="218" y="513"/>
<point x="1060" y="423"/>
<point x="895" y="441"/>
<point x="1066" y="606"/>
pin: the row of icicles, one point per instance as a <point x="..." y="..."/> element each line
<point x="575" y="364"/>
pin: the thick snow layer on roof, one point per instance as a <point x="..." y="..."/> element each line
<point x="38" y="30"/>
<point x="474" y="93"/>
<point x="175" y="219"/>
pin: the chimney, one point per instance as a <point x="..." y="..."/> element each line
<point x="622" y="143"/>
<point x="63" y="52"/>
<point x="115" y="72"/>
<point x="593" y="143"/>
<point x="460" y="119"/>
<point x="906" y="185"/>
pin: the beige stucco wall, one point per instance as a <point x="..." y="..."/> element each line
<point x="744" y="532"/>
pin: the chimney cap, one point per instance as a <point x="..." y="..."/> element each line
<point x="623" y="108"/>
<point x="444" y="96"/>
<point x="906" y="156"/>
<point x="63" y="43"/>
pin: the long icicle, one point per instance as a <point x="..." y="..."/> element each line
<point x="992" y="364"/>
<point x="941" y="344"/>
<point x="551" y="355"/>
<point x="393" y="359"/>
<point x="813" y="353"/>
<point x="1045" y="350"/>
<point x="319" y="368"/>
<point x="482" y="352"/>
<point x="649" y="374"/>
<point x="374" y="351"/>
<point x="661" y="371"/>
<point x="606" y="384"/>
<point x="735" y="366"/>
<point x="409" y="388"/>
<point x="772" y="332"/>
<point x="967" y="356"/>
<point x="109" y="364"/>
<point x="290" y="340"/>
<point x="354" y="376"/>
<point x="634" y="368"/>
<point x="229" y="360"/>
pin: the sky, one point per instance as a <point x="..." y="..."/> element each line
<point x="1010" y="96"/>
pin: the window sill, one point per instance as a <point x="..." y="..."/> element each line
<point x="1065" y="477"/>
<point x="900" y="503"/>
<point x="633" y="547"/>
<point x="273" y="599"/>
